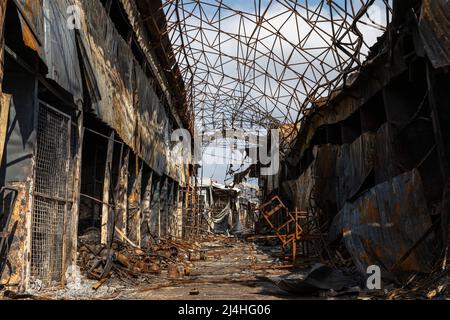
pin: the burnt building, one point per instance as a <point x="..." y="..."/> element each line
<point x="340" y="110"/>
<point x="90" y="96"/>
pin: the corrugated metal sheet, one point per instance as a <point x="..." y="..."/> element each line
<point x="338" y="172"/>
<point x="125" y="98"/>
<point x="45" y="31"/>
<point x="299" y="190"/>
<point x="60" y="48"/>
<point x="435" y="31"/>
<point x="384" y="223"/>
<point x="354" y="163"/>
<point x="152" y="124"/>
<point x="152" y="15"/>
<point x="112" y="65"/>
<point x="386" y="165"/>
<point x="164" y="65"/>
<point x="318" y="181"/>
<point x="128" y="102"/>
<point x="348" y="101"/>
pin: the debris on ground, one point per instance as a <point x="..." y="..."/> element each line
<point x="219" y="267"/>
<point x="128" y="264"/>
<point x="194" y="292"/>
<point x="320" y="278"/>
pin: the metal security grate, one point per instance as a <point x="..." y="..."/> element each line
<point x="51" y="199"/>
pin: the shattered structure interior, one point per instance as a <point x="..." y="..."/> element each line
<point x="98" y="201"/>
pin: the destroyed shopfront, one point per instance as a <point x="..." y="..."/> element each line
<point x="88" y="107"/>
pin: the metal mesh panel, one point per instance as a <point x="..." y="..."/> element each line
<point x="53" y="153"/>
<point x="47" y="240"/>
<point x="51" y="194"/>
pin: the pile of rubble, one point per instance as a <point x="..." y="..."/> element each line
<point x="130" y="264"/>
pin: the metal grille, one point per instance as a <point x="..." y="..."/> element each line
<point x="47" y="242"/>
<point x="50" y="194"/>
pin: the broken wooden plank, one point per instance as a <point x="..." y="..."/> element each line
<point x="124" y="237"/>
<point x="101" y="282"/>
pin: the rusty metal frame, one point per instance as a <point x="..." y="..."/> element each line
<point x="295" y="229"/>
<point x="253" y="95"/>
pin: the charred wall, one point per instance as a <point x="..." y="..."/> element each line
<point x="373" y="156"/>
<point x="85" y="132"/>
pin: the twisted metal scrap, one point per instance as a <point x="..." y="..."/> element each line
<point x="262" y="63"/>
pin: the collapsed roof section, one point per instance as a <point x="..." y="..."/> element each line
<point x="263" y="63"/>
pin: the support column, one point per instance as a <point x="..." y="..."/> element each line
<point x="162" y="213"/>
<point x="134" y="206"/>
<point x="179" y="210"/>
<point x="122" y="200"/>
<point x="146" y="206"/>
<point x="171" y="212"/>
<point x="106" y="230"/>
<point x="77" y="188"/>
<point x="154" y="206"/>
<point x="210" y="209"/>
<point x="5" y="99"/>
<point x="28" y="201"/>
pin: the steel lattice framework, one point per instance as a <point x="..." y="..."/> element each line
<point x="261" y="63"/>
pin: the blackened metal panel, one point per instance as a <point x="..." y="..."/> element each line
<point x="324" y="191"/>
<point x="21" y="134"/>
<point x="126" y="99"/>
<point x="60" y="48"/>
<point x="384" y="223"/>
<point x="344" y="103"/>
<point x="156" y="46"/>
<point x="111" y="62"/>
<point x="317" y="183"/>
<point x="153" y="123"/>
<point x="354" y="163"/>
<point x="435" y="31"/>
<point x="386" y="160"/>
<point x="299" y="190"/>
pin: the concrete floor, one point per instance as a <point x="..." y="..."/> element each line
<point x="232" y="271"/>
